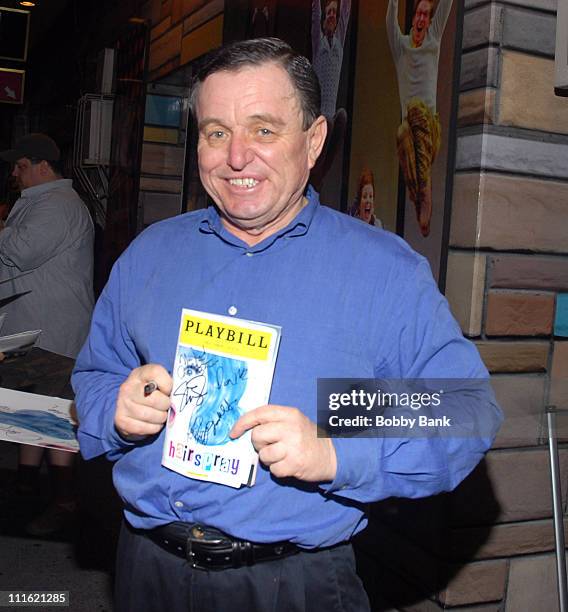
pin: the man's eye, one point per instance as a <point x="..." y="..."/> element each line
<point x="265" y="132"/>
<point x="216" y="134"/>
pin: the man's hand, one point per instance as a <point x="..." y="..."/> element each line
<point x="139" y="415"/>
<point x="287" y="443"/>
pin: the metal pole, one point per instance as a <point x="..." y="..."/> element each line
<point x="557" y="508"/>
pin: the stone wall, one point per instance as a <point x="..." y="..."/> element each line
<point x="507" y="276"/>
<point x="489" y="545"/>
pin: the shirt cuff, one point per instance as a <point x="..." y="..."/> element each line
<point x="357" y="467"/>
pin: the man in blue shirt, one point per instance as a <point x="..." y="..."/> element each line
<point x="352" y="302"/>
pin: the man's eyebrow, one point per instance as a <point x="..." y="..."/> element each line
<point x="262" y="117"/>
<point x="207" y="122"/>
<point x="267" y="118"/>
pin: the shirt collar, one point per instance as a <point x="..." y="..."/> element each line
<point x="44" y="187"/>
<point x="299" y="225"/>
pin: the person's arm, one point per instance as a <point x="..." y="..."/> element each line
<point x="440" y="18"/>
<point x="38" y="238"/>
<point x="316" y="28"/>
<point x="426" y="343"/>
<point x="343" y="20"/>
<point x="393" y="30"/>
<point x="114" y="406"/>
<point x="104" y="363"/>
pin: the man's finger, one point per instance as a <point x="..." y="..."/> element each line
<point x="271" y="454"/>
<point x="133" y="427"/>
<point x="258" y="416"/>
<point x="157" y="400"/>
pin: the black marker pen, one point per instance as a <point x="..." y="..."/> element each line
<point x="150" y="388"/>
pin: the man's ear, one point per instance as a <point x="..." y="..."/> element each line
<point x="316" y="139"/>
<point x="44" y="168"/>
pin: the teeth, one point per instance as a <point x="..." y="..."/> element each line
<point x="244" y="182"/>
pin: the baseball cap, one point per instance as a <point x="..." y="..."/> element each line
<point x="40" y="146"/>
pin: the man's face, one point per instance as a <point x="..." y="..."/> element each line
<point x="330" y="18"/>
<point x="26" y="173"/>
<point x="421" y="22"/>
<point x="254" y="157"/>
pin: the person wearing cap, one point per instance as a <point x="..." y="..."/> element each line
<point x="46" y="257"/>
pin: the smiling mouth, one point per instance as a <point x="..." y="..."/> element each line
<point x="249" y="183"/>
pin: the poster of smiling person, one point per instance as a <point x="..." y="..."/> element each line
<point x="416" y="57"/>
<point x="364" y="204"/>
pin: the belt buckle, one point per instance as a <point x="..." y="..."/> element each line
<point x="202" y="559"/>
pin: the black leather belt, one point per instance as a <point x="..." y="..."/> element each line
<point x="211" y="549"/>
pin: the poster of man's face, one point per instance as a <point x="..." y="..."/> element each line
<point x="330" y="18"/>
<point x="421" y="21"/>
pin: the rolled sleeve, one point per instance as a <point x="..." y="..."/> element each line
<point x="104" y="363"/>
<point x="424" y="342"/>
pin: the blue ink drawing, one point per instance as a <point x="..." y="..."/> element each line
<point x="215" y="386"/>
<point x="45" y="423"/>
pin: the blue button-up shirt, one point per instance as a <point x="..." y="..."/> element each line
<point x="352" y="301"/>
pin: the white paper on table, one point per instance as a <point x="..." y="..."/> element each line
<point x="20" y="342"/>
<point x="39" y="420"/>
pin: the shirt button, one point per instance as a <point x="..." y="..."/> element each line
<point x="232" y="310"/>
<point x="249" y="254"/>
<point x="178" y="504"/>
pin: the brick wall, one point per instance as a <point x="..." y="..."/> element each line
<point x="508" y="273"/>
<point x="489" y="545"/>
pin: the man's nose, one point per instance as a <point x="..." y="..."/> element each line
<point x="240" y="153"/>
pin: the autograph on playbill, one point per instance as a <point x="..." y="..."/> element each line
<point x="223" y="368"/>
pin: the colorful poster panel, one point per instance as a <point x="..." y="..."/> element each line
<point x="403" y="105"/>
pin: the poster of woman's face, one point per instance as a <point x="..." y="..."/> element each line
<point x="363" y="207"/>
<point x="367" y="203"/>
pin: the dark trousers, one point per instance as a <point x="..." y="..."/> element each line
<point x="149" y="578"/>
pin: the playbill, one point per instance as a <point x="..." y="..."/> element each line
<point x="223" y="368"/>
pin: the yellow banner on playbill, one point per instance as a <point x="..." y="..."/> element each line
<point x="213" y="335"/>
